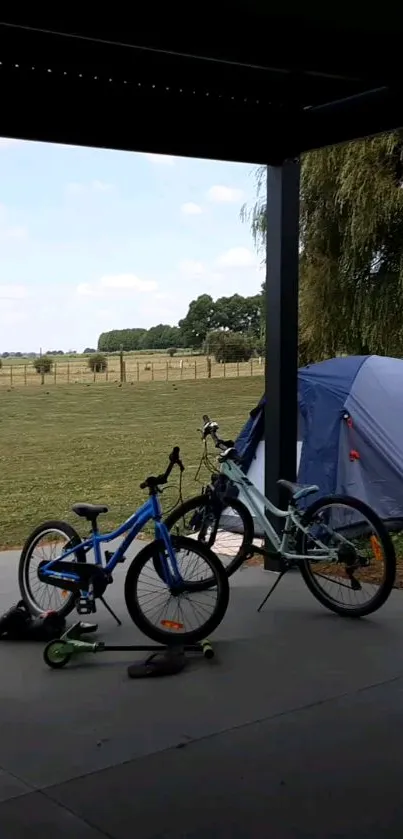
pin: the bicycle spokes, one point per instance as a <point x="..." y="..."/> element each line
<point x="345" y="555"/>
<point x="181" y="608"/>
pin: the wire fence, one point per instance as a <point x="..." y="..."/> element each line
<point x="130" y="370"/>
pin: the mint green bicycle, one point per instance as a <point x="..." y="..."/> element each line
<point x="339" y="544"/>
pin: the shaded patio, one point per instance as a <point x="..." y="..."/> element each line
<point x="293" y="728"/>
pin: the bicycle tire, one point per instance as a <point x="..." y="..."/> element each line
<point x="159" y="635"/>
<point x="203" y="501"/>
<point x="386" y="586"/>
<point x="26" y="594"/>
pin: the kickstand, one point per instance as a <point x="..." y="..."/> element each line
<point x="111" y="612"/>
<point x="280" y="577"/>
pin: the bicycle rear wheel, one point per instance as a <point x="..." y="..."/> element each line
<point x="225" y="527"/>
<point x="47" y="542"/>
<point x="354" y="573"/>
<point x="177" y="618"/>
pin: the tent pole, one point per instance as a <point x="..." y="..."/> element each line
<point x="282" y="264"/>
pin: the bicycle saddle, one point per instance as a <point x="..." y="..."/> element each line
<point x="89" y="511"/>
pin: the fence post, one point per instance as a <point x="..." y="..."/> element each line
<point x="138" y="371"/>
<point x="11" y="374"/>
<point x="95" y="372"/>
<point x="208" y="367"/>
<point x="251" y="367"/>
<point x="107" y="373"/>
<point x="55" y="373"/>
<point x="195" y="370"/>
<point x="167" y="369"/>
<point x="152" y="371"/>
<point x="25" y="374"/>
<point x="237" y="368"/>
<point x="122" y="366"/>
<point x="68" y="373"/>
<point x="224" y="370"/>
<point x="181" y="366"/>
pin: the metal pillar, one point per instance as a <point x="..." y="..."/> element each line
<point x="282" y="262"/>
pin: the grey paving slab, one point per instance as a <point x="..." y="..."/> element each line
<point x="36" y="816"/>
<point x="56" y="725"/>
<point x="330" y="770"/>
<point x="11" y="787"/>
<point x="293" y="694"/>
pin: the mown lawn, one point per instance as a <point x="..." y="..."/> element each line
<point x="60" y="445"/>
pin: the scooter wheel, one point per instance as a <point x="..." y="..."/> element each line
<point x="57" y="654"/>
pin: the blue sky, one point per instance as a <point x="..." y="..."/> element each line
<point x="92" y="240"/>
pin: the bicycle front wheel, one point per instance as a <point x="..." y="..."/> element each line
<point x="225" y="527"/>
<point x="188" y="616"/>
<point x="350" y="564"/>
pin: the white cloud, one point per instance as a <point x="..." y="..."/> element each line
<point x="10" y="231"/>
<point x="94" y="186"/>
<point x="16" y="232"/>
<point x="162" y="296"/>
<point x="237" y="258"/>
<point x="192" y="269"/>
<point x="7" y="142"/>
<point x="113" y="284"/>
<point x="224" y="194"/>
<point x="163" y="159"/>
<point x="101" y="186"/>
<point x="127" y="281"/>
<point x="12" y="292"/>
<point x="12" y="317"/>
<point x="191" y="209"/>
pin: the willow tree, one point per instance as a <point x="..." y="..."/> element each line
<point x="351" y="263"/>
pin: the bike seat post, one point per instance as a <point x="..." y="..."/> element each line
<point x="94" y="526"/>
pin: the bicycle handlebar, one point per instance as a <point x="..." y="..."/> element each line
<point x="153" y="481"/>
<point x="210" y="429"/>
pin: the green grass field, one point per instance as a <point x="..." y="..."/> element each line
<point x="97" y="443"/>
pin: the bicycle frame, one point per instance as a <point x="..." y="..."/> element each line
<point x="132" y="527"/>
<point x="291" y="516"/>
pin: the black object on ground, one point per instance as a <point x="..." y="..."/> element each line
<point x="167" y="663"/>
<point x="17" y="624"/>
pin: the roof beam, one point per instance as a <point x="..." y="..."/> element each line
<point x="350" y="119"/>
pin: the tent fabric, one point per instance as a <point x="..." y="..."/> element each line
<point x="350" y="431"/>
<point x="322" y="391"/>
<point x="252" y="432"/>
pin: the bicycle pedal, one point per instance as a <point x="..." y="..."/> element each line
<point x="85" y="606"/>
<point x="355" y="584"/>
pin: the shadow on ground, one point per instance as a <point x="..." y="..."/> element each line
<point x="293" y="730"/>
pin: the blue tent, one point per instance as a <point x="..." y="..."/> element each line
<point x="350" y="431"/>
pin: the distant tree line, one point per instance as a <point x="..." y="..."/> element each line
<point x="205" y="320"/>
<point x="159" y="337"/>
<point x="38" y="355"/>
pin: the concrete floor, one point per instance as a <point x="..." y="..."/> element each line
<point x="293" y="730"/>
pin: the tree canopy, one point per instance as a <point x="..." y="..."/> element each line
<point x="236" y="313"/>
<point x="351" y="246"/>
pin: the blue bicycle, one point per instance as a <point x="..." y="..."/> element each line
<point x="165" y="590"/>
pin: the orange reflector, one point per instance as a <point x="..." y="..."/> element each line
<point x="376" y="548"/>
<point x="172" y="625"/>
<point x="65" y="594"/>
